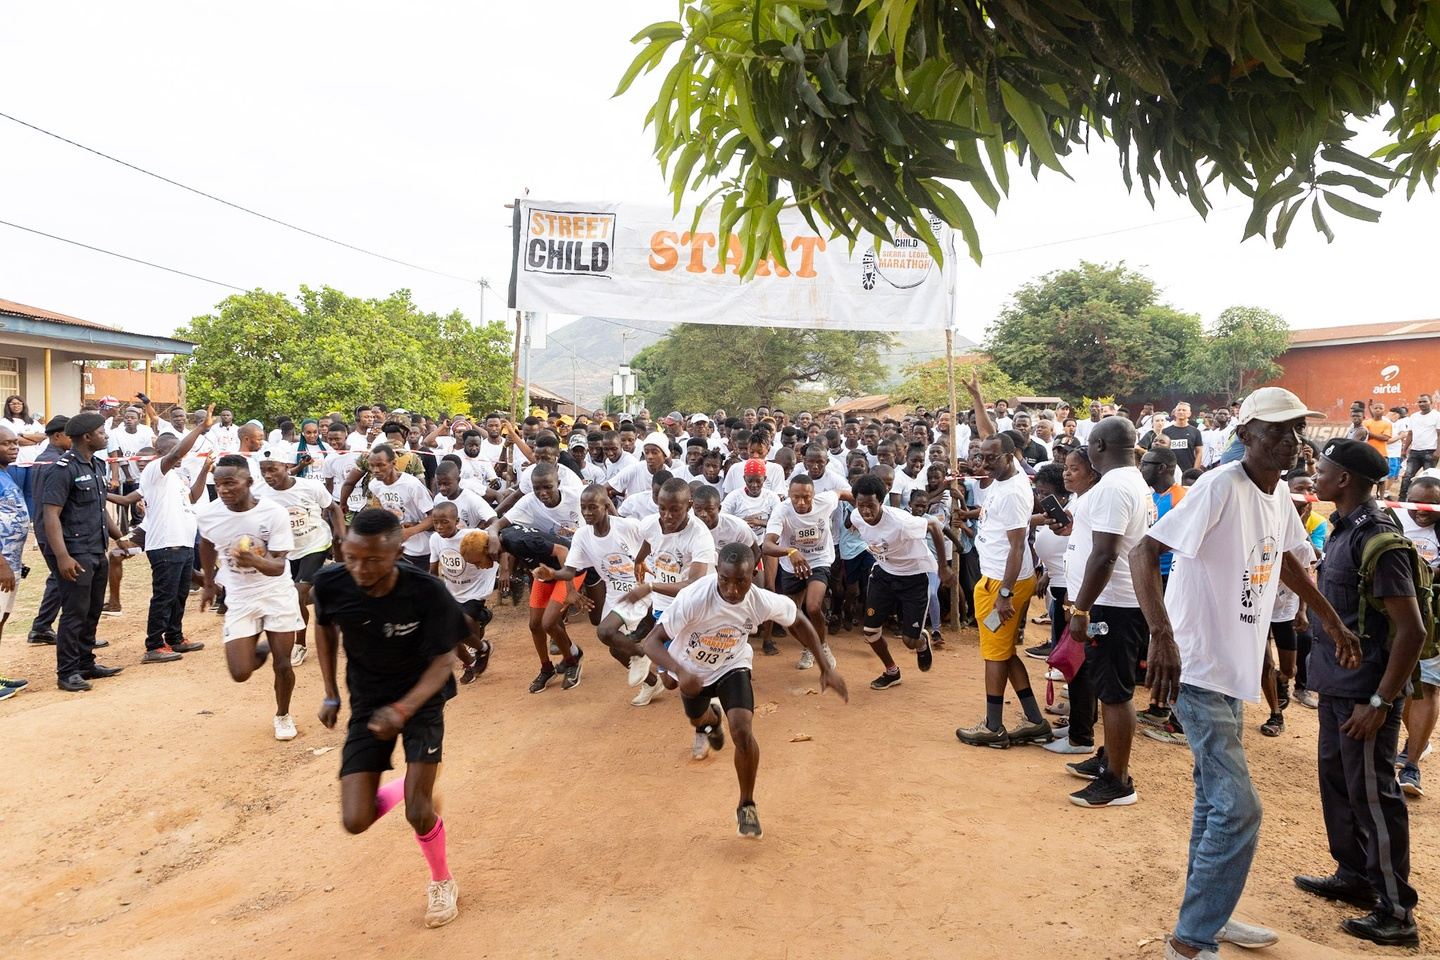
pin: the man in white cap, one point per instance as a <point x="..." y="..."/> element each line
<point x="1232" y="537"/>
<point x="639" y="477"/>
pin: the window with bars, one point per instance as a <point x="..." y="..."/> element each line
<point x="9" y="376"/>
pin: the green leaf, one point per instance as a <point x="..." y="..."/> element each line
<point x="812" y="99"/>
<point x="1319" y="219"/>
<point x="954" y="212"/>
<point x="665" y="30"/>
<point x="1332" y="178"/>
<point x="1282" y="222"/>
<point x="1343" y="155"/>
<point x="1350" y="208"/>
<point x="646" y="60"/>
<point x="1033" y="125"/>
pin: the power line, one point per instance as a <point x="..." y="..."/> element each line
<point x="1110" y="233"/>
<point x="112" y="253"/>
<point x="232" y="205"/>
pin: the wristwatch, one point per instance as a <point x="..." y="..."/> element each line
<point x="1006" y="592"/>
<point x="1378" y="702"/>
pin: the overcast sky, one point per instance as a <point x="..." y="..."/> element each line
<point x="403" y="129"/>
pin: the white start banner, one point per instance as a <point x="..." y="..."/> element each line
<point x="634" y="262"/>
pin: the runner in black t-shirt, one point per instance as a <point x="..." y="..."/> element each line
<point x="1186" y="441"/>
<point x="400" y="628"/>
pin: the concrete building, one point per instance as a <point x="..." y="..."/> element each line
<point x="41" y="353"/>
<point x="1331" y="367"/>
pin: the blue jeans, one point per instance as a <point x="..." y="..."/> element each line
<point x="1226" y="824"/>
<point x="934" y="607"/>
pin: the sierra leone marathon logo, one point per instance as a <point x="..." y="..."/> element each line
<point x="904" y="264"/>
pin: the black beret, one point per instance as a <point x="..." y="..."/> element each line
<point x="83" y="423"/>
<point x="57" y="424"/>
<point x="1357" y="457"/>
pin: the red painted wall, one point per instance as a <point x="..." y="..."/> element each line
<point x="1394" y="371"/>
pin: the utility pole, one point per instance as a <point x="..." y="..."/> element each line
<point x="484" y="285"/>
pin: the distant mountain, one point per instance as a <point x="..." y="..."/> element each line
<point x="580" y="357"/>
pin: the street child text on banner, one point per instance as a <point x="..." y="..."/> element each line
<point x="634" y="262"/>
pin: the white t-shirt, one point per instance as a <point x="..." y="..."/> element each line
<point x="1423" y="428"/>
<point x="169" y="514"/>
<point x="741" y="504"/>
<point x="671" y="554"/>
<point x="612" y="556"/>
<point x="491" y="451"/>
<point x="638" y="506"/>
<point x="712" y="637"/>
<point x="731" y="529"/>
<point x="567" y="477"/>
<point x="1006" y="506"/>
<point x="475" y="512"/>
<point x="1392" y="449"/>
<point x="1050" y="553"/>
<point x="407" y="499"/>
<point x="1083" y="428"/>
<point x="226" y="439"/>
<point x="807" y="532"/>
<point x="305" y="501"/>
<point x="463" y="579"/>
<point x="359" y="443"/>
<point x="23" y="428"/>
<point x="1287" y="601"/>
<point x="613" y="468"/>
<point x="898" y="541"/>
<point x="126" y="444"/>
<point x="1215" y="440"/>
<point x="1426" y="539"/>
<point x="563" y="519"/>
<point x="268" y="526"/>
<point x="1228" y="538"/>
<point x="774" y="478"/>
<point x="904" y="484"/>
<point x="633" y="480"/>
<point x="1119" y="503"/>
<point x="336" y="468"/>
<point x="476" y="468"/>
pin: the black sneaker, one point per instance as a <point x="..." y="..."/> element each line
<point x="1041" y="652"/>
<point x="924" y="656"/>
<point x="769" y="649"/>
<point x="1153" y="716"/>
<point x="572" y="673"/>
<point x="1274" y="726"/>
<point x="1282" y="692"/>
<point x="1105" y="790"/>
<point x="1088" y="769"/>
<point x="482" y="657"/>
<point x="885" y="681"/>
<point x="715" y="732"/>
<point x="747" y="821"/>
<point x="542" y="679"/>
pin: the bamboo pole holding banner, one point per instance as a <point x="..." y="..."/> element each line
<point x="515" y="375"/>
<point x="954" y="462"/>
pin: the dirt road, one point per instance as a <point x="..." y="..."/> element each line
<point x="156" y="817"/>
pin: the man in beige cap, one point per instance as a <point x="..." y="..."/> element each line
<point x="1232" y="538"/>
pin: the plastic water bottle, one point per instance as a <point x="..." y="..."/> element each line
<point x="1097" y="630"/>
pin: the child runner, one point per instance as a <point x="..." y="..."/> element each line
<point x="710" y="622"/>
<point x="469" y="575"/>
<point x="799" y="535"/>
<point x="315" y="523"/>
<point x="400" y="629"/>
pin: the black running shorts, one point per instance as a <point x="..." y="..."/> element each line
<point x="908" y="597"/>
<point x="733" y="690"/>
<point x="366" y="753"/>
<point x="1112" y="657"/>
<point x="787" y="584"/>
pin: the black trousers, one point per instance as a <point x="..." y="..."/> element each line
<point x="49" y="605"/>
<point x="169" y="589"/>
<point x="80" y="603"/>
<point x="1365" y="816"/>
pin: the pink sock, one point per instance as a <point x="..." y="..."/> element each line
<point x="388" y="796"/>
<point x="433" y="846"/>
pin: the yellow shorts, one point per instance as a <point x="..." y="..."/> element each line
<point x="1000" y="644"/>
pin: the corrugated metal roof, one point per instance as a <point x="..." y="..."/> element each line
<point x="1363" y="331"/>
<point x="35" y="313"/>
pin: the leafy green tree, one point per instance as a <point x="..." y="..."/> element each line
<point x="264" y="355"/>
<point x="1091" y="330"/>
<point x="700" y="367"/>
<point x="867" y="111"/>
<point x="1239" y="352"/>
<point x="926" y="383"/>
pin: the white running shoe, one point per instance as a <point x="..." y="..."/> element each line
<point x="285" y="727"/>
<point x="1065" y="746"/>
<point x="829" y="657"/>
<point x="639" y="670"/>
<point x="701" y="749"/>
<point x="807" y="660"/>
<point x="1055" y="675"/>
<point x="647" y="693"/>
<point x="297" y="654"/>
<point x="441" y="903"/>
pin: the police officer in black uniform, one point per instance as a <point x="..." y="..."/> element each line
<point x="1361" y="706"/>
<point x="76" y="524"/>
<point x="42" y="631"/>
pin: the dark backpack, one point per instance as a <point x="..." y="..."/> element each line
<point x="1427" y="592"/>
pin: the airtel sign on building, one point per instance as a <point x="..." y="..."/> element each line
<point x="1332" y="367"/>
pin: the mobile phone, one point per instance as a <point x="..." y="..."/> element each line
<point x="992" y="622"/>
<point x="1053" y="509"/>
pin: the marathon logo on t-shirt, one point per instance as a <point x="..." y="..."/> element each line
<point x="620" y="571"/>
<point x="1256" y="577"/>
<point x="569" y="243"/>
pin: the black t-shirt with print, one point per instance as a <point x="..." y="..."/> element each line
<point x="389" y="641"/>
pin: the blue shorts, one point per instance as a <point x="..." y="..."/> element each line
<point x="1394" y="468"/>
<point x="1430" y="671"/>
